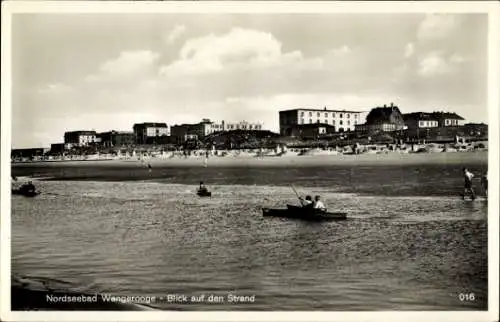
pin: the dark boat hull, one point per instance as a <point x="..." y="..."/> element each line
<point x="295" y="212"/>
<point x="204" y="193"/>
<point x="25" y="193"/>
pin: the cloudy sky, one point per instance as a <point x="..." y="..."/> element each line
<point x="109" y="71"/>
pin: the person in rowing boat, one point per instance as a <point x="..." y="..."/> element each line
<point x="307" y="202"/>
<point x="28" y="187"/>
<point x="318" y="204"/>
<point x="202" y="187"/>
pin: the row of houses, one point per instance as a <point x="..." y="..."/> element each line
<point x="149" y="133"/>
<point x="316" y="122"/>
<point x="390" y="118"/>
<point x="301" y="123"/>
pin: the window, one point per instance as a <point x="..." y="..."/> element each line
<point x="333" y="114"/>
<point x="310" y="121"/>
<point x="326" y="114"/>
<point x="333" y="122"/>
<point x="310" y="114"/>
<point x="348" y="116"/>
<point x="318" y="114"/>
<point x="326" y="121"/>
<point x="348" y="122"/>
<point x="301" y="113"/>
<point x="340" y="121"/>
<point x="355" y="116"/>
<point x="341" y="115"/>
<point x="301" y="121"/>
<point x="317" y="121"/>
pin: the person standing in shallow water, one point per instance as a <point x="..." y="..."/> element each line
<point x="468" y="184"/>
<point x="484" y="183"/>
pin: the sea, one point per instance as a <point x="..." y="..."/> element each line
<point x="410" y="242"/>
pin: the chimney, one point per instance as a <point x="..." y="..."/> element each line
<point x="392" y="104"/>
<point x="385" y="105"/>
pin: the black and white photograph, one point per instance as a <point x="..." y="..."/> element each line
<point x="321" y="160"/>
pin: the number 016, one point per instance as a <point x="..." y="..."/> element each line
<point x="466" y="297"/>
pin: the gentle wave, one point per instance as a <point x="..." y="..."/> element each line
<point x="151" y="238"/>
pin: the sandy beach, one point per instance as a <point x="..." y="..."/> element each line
<point x="250" y="160"/>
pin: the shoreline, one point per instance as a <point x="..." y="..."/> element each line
<point x="391" y="158"/>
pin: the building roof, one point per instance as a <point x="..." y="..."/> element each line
<point x="419" y="116"/>
<point x="382" y="114"/>
<point x="116" y="132"/>
<point x="150" y="124"/>
<point x="239" y="122"/>
<point x="321" y="110"/>
<point x="80" y="132"/>
<point x="447" y="115"/>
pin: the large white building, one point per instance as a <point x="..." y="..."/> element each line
<point x="206" y="127"/>
<point x="342" y="120"/>
<point x="148" y="132"/>
<point x="241" y="125"/>
<point x="80" y="138"/>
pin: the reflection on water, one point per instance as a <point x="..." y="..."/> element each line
<point x="153" y="238"/>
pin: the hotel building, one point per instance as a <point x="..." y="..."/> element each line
<point x="80" y="138"/>
<point x="116" y="138"/>
<point x="342" y="120"/>
<point x="183" y="132"/>
<point x="147" y="133"/>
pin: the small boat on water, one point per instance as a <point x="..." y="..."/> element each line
<point x="297" y="212"/>
<point x="26" y="193"/>
<point x="204" y="193"/>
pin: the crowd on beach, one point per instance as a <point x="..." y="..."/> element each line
<point x="278" y="151"/>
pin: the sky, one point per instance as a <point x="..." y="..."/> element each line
<point x="108" y="71"/>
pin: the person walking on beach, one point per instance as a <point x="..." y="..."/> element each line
<point x="468" y="183"/>
<point x="205" y="161"/>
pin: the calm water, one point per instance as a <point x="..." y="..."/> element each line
<point x="410" y="242"/>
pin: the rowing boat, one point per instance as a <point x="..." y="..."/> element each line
<point x="297" y="212"/>
<point x="20" y="192"/>
<point x="204" y="193"/>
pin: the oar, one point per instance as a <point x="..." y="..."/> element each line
<point x="297" y="195"/>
